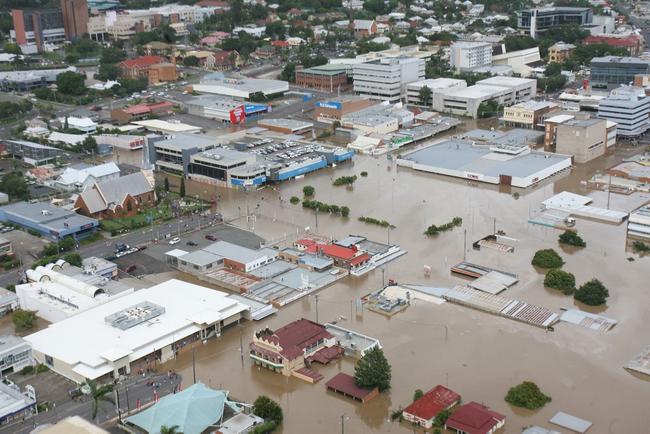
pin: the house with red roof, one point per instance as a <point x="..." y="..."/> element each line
<point x="291" y="349"/>
<point x="424" y="410"/>
<point x="475" y="418"/>
<point x="345" y="257"/>
<point x="632" y="42"/>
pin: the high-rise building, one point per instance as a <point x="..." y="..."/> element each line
<point x="629" y="107"/>
<point x="35" y="28"/>
<point x="386" y="78"/>
<point x="75" y="18"/>
<point x="466" y="56"/>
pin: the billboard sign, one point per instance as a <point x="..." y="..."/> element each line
<point x="329" y="104"/>
<point x="237" y="115"/>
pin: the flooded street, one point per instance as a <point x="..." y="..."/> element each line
<point x="483" y="355"/>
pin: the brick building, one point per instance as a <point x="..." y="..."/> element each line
<point x="121" y="197"/>
<point x="162" y="72"/>
<point x="328" y="78"/>
<point x="139" y="67"/>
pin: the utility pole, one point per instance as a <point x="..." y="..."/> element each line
<point x="316" y="214"/>
<point x="241" y="342"/>
<point x="316" y="297"/>
<point x="609" y="190"/>
<point x="193" y="364"/>
<point x="342" y="423"/>
<point x="464" y="244"/>
<point x="383" y="284"/>
<point x="351" y="302"/>
<point x="495" y="226"/>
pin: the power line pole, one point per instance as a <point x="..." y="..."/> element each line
<point x="316" y="297"/>
<point x="342" y="423"/>
<point x="464" y="244"/>
<point x="193" y="365"/>
<point x="241" y="342"/>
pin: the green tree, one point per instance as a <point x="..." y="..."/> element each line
<point x="294" y="200"/>
<point x="98" y="394"/>
<point x="417" y="394"/>
<point x="592" y="293"/>
<point x="166" y="184"/>
<point x="547" y="258"/>
<point x="267" y="409"/>
<point x="442" y="417"/>
<point x="373" y="370"/>
<point x="89" y="145"/>
<point x="345" y="211"/>
<point x="308" y="190"/>
<point x="527" y="395"/>
<point x="14" y="184"/>
<point x="174" y="429"/>
<point x="572" y="239"/>
<point x="191" y="61"/>
<point x="23" y="319"/>
<point x="276" y="30"/>
<point x="182" y="189"/>
<point x="424" y="95"/>
<point x="107" y="71"/>
<point x="12" y="48"/>
<point x="289" y="72"/>
<point x="488" y="109"/>
<point x="112" y="55"/>
<point x="71" y="83"/>
<point x="73" y="259"/>
<point x="562" y="280"/>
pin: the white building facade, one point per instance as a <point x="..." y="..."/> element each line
<point x="629" y="107"/>
<point x="387" y="78"/>
<point x="466" y="56"/>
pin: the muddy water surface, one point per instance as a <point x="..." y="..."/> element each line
<point x="483" y="355"/>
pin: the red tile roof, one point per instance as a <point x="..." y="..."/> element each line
<point x="159" y="105"/>
<point x="298" y="335"/>
<point x="141" y="62"/>
<point x="282" y="44"/>
<point x="364" y="257"/>
<point x="338" y="252"/>
<point x="137" y="109"/>
<point x="474" y="418"/>
<point x="344" y="383"/>
<point x="433" y="402"/>
<point x="628" y="41"/>
<point x="326" y="355"/>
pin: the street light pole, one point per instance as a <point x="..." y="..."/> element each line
<point x="342" y="423"/>
<point x="316" y="297"/>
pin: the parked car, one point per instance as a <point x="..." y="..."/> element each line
<point x="211" y="237"/>
<point x="191" y="243"/>
<point x="174" y="240"/>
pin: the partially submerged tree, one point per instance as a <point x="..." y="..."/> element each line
<point x="267" y="409"/>
<point x="527" y="395"/>
<point x="562" y="280"/>
<point x="373" y="370"/>
<point x="547" y="258"/>
<point x="592" y="293"/>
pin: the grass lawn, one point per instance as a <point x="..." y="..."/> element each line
<point x="162" y="212"/>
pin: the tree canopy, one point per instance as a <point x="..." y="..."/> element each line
<point x="267" y="409"/>
<point x="373" y="370"/>
<point x="23" y="319"/>
<point x="547" y="258"/>
<point x="71" y="83"/>
<point x="14" y="184"/>
<point x="571" y="238"/>
<point x="562" y="280"/>
<point x="592" y="293"/>
<point x="527" y="395"/>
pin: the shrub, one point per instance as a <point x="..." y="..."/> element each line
<point x="640" y="246"/>
<point x="592" y="293"/>
<point x="23" y="319"/>
<point x="562" y="280"/>
<point x="571" y="238"/>
<point x="547" y="258"/>
<point x="344" y="180"/>
<point x="527" y="395"/>
<point x="396" y="415"/>
<point x="374" y="221"/>
<point x="435" y="230"/>
<point x="364" y="173"/>
<point x="40" y="368"/>
<point x="27" y="370"/>
<point x="442" y="417"/>
<point x="345" y="211"/>
<point x="265" y="428"/>
<point x="294" y="200"/>
<point x="308" y="190"/>
<point x="417" y="394"/>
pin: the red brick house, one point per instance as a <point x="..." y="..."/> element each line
<point x="424" y="410"/>
<point x="364" y="28"/>
<point x="121" y="197"/>
<point x="138" y="67"/>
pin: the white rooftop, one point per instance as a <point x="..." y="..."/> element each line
<point x="176" y="127"/>
<point x="88" y="343"/>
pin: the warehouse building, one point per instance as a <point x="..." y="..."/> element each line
<point x="31" y="153"/>
<point x="49" y="220"/>
<point x="242" y="88"/>
<point x="333" y="110"/>
<point x="223" y="109"/>
<point x="517" y="166"/>
<point x="286" y="126"/>
<point x="126" y="333"/>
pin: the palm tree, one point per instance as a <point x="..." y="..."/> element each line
<point x="169" y="429"/>
<point x="99" y="393"/>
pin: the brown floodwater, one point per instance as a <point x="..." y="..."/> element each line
<point x="483" y="355"/>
